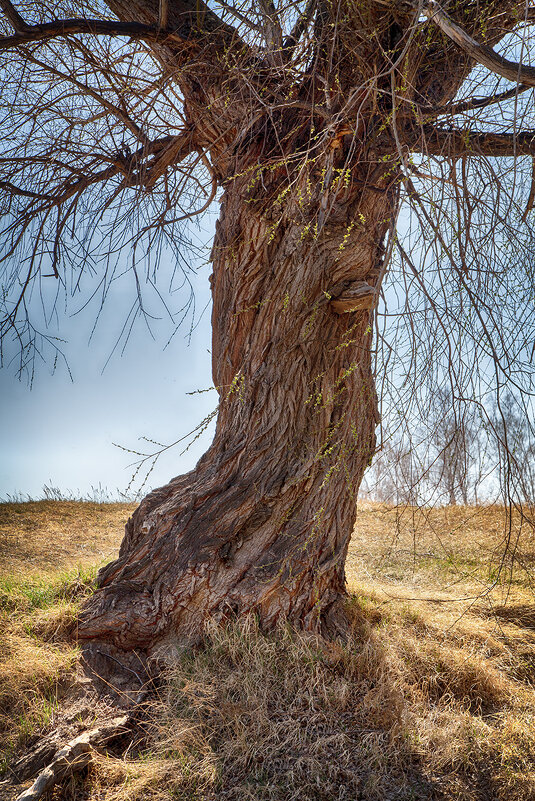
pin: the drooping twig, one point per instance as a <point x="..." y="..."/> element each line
<point x="531" y="198"/>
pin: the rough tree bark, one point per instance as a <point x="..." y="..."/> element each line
<point x="263" y="522"/>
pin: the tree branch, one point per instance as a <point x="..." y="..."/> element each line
<point x="193" y="19"/>
<point x="300" y="26"/>
<point x="511" y="70"/>
<point x="531" y="198"/>
<point x="271" y="25"/>
<point x="163" y="15"/>
<point x="141" y="168"/>
<point x="234" y="12"/>
<point x="473" y="103"/>
<point x="98" y="27"/>
<point x="13" y="16"/>
<point x="455" y="143"/>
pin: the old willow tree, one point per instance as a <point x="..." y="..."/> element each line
<point x="310" y="123"/>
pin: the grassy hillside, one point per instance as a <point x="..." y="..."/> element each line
<point x="431" y="697"/>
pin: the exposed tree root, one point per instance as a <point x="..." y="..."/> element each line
<point x="109" y="695"/>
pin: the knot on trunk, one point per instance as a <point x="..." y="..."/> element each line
<point x="353" y="296"/>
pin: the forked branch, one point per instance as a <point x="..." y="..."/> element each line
<point x="191" y="23"/>
<point x="13" y="16"/>
<point x="141" y="168"/>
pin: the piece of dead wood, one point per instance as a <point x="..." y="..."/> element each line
<point x="73" y="757"/>
<point x="35" y="760"/>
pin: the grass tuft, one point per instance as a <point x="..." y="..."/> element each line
<point x="285" y="716"/>
<point x="38" y="651"/>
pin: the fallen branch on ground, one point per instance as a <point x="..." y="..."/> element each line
<point x="73" y="757"/>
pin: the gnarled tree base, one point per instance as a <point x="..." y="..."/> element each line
<point x="263" y="523"/>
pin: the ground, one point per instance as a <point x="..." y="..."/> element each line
<point x="431" y="697"/>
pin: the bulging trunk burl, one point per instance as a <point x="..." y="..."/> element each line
<point x="263" y="522"/>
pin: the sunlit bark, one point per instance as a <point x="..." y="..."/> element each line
<point x="263" y="523"/>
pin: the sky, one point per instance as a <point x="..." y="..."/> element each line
<point x="61" y="431"/>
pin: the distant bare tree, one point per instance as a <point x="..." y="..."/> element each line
<point x="396" y="476"/>
<point x="515" y="447"/>
<point x="454" y="440"/>
<point x="450" y="457"/>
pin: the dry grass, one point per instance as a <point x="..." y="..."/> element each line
<point x="388" y="715"/>
<point x="432" y="698"/>
<point x="48" y="553"/>
<point x="47" y="536"/>
<point x="452" y="551"/>
<point x="38" y="653"/>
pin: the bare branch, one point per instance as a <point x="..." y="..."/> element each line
<point x="457" y="143"/>
<point x="97" y="27"/>
<point x="17" y="190"/>
<point x="271" y="25"/>
<point x="300" y="26"/>
<point x="13" y="16"/>
<point x="163" y="14"/>
<point x="531" y="199"/>
<point x="474" y="103"/>
<point x="511" y="70"/>
<point x="135" y="168"/>
<point x="193" y="18"/>
<point x="236" y="13"/>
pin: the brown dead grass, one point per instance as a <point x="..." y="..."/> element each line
<point x="387" y="715"/>
<point x="429" y="698"/>
<point x="47" y="536"/>
<point x="48" y="553"/>
<point x="37" y="660"/>
<point x="451" y="551"/>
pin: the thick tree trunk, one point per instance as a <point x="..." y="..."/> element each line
<point x="263" y="522"/>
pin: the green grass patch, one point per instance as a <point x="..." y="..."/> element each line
<point x="27" y="593"/>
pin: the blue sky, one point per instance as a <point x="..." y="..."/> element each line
<point x="61" y="431"/>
